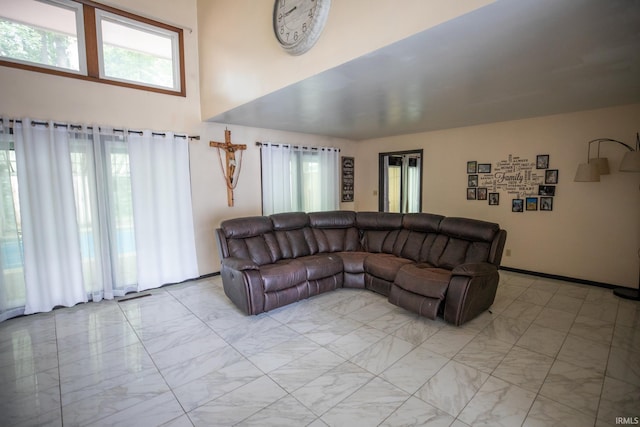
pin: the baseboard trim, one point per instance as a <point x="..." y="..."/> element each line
<point x="558" y="277"/>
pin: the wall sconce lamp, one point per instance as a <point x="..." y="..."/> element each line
<point x="591" y="171"/>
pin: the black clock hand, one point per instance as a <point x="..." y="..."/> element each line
<point x="288" y="13"/>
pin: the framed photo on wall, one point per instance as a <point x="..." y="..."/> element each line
<point x="546" y="190"/>
<point x="546" y="203"/>
<point x="472" y="167"/>
<point x="532" y="203"/>
<point x="542" y="161"/>
<point x="482" y="193"/>
<point x="517" y="205"/>
<point x="471" y="194"/>
<point x="472" y="181"/>
<point x="484" y="168"/>
<point x="494" y="199"/>
<point x="551" y="176"/>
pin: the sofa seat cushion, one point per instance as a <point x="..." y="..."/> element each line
<point x="321" y="265"/>
<point x="424" y="279"/>
<point x="384" y="266"/>
<point x="353" y="261"/>
<point x="283" y="274"/>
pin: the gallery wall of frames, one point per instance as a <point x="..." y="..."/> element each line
<point x="526" y="184"/>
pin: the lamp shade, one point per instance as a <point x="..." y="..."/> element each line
<point x="630" y="162"/>
<point x="603" y="165"/>
<point x="587" y="172"/>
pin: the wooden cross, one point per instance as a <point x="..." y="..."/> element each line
<point x="230" y="176"/>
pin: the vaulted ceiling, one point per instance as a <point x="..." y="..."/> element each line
<point x="512" y="59"/>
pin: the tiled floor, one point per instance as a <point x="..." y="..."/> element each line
<point x="550" y="353"/>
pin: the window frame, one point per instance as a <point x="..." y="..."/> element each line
<point x="91" y="67"/>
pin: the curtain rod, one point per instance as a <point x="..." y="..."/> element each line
<point x="72" y="126"/>
<point x="259" y="144"/>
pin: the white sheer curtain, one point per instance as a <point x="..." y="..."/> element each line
<point x="98" y="215"/>
<point x="299" y="178"/>
<point x="52" y="259"/>
<point x="411" y="180"/>
<point x="165" y="242"/>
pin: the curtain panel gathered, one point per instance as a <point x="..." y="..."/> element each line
<point x="299" y="178"/>
<point x="90" y="213"/>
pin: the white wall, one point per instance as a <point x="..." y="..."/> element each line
<point x="593" y="232"/>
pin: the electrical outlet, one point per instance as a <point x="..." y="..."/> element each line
<point x="508" y="252"/>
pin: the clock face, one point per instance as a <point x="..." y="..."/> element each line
<point x="298" y="23"/>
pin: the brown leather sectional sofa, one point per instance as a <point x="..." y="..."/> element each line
<point x="429" y="264"/>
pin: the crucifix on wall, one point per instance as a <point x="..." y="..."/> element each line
<point x="231" y="172"/>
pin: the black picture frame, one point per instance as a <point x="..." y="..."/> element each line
<point x="472" y="166"/>
<point x="531" y="203"/>
<point x="551" y="176"/>
<point x="484" y="168"/>
<point x="546" y="190"/>
<point x="471" y="194"/>
<point x="542" y="161"/>
<point x="546" y="203"/>
<point x="347" y="179"/>
<point x="482" y="193"/>
<point x="494" y="199"/>
<point x="472" y="180"/>
<point x="517" y="205"/>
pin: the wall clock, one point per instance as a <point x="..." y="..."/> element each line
<point x="298" y="23"/>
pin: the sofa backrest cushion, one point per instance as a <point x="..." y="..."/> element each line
<point x="293" y="234"/>
<point x="380" y="231"/>
<point x="418" y="235"/>
<point x="251" y="238"/>
<point x="335" y="231"/>
<point x="464" y="240"/>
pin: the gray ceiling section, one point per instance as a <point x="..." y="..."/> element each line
<point x="512" y="59"/>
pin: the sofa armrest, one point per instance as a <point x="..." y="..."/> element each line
<point x="475" y="269"/>
<point x="471" y="291"/>
<point x="239" y="264"/>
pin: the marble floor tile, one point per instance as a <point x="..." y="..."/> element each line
<point x="215" y="384"/>
<point x="282" y="413"/>
<point x="449" y="340"/>
<point x="574" y="386"/>
<point x="415" y="412"/>
<point x="524" y="310"/>
<point x="452" y="387"/>
<point x="483" y="353"/>
<point x="557" y="319"/>
<point x="333" y="330"/>
<point x="506" y="329"/>
<point x="566" y="303"/>
<point x="305" y="369"/>
<point x="524" y="368"/>
<point x="187" y="356"/>
<point x="624" y="365"/>
<point x="545" y="412"/>
<point x="542" y="340"/>
<point x="414" y="369"/>
<point x="619" y="399"/>
<point x="498" y="403"/>
<point x="331" y="388"/>
<point x="584" y="353"/>
<point x="416" y="330"/>
<point x="627" y="338"/>
<point x="369" y="405"/>
<point x="239" y="404"/>
<point x="354" y="342"/>
<point x="379" y="356"/>
<point x="278" y="356"/>
<point x="593" y="329"/>
<point x="535" y="296"/>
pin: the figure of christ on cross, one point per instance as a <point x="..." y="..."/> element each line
<point x="230" y="176"/>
